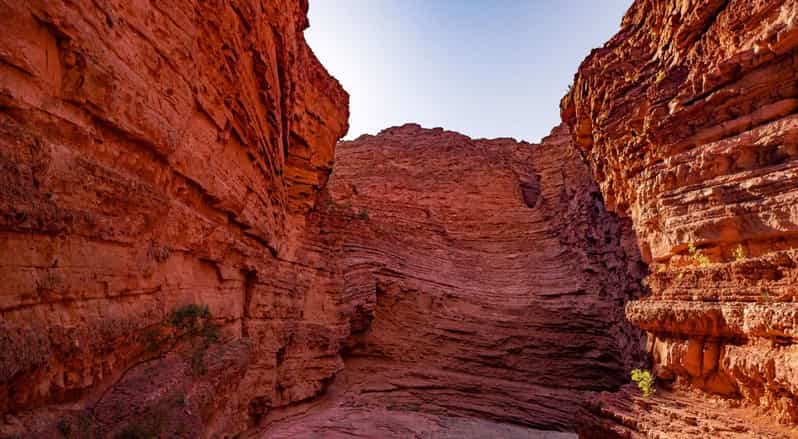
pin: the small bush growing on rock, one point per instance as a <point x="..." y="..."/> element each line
<point x="197" y="321"/>
<point x="645" y="381"/>
<point x="364" y="214"/>
<point x="700" y="258"/>
<point x="189" y="316"/>
<point x="739" y="253"/>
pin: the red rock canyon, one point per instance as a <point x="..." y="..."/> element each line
<point x="188" y="249"/>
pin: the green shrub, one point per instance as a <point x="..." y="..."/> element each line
<point x="197" y="321"/>
<point x="700" y="258"/>
<point x="189" y="316"/>
<point x="739" y="253"/>
<point x="645" y="381"/>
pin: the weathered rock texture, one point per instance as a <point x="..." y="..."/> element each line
<point x="485" y="278"/>
<point x="374" y="422"/>
<point x="154" y="155"/>
<point x="688" y="120"/>
<point x="159" y="155"/>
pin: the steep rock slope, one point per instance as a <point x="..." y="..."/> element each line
<point x="688" y="120"/>
<point x="486" y="280"/>
<point x="155" y="155"/>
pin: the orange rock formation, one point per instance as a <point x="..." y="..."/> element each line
<point x="159" y="158"/>
<point x="155" y="156"/>
<point x="687" y="118"/>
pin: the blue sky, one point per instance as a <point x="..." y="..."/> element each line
<point x="493" y="68"/>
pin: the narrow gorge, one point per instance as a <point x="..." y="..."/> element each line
<point x="188" y="248"/>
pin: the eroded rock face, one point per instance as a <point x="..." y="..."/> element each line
<point x="484" y="278"/>
<point x="688" y="120"/>
<point x="162" y="155"/>
<point x="152" y="156"/>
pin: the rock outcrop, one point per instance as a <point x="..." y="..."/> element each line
<point x="174" y="262"/>
<point x="688" y="118"/>
<point x="485" y="281"/>
<point x="155" y="156"/>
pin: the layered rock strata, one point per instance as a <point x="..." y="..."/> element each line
<point x="677" y="414"/>
<point x="688" y="120"/>
<point x="159" y="157"/>
<point x="154" y="156"/>
<point x="485" y="281"/>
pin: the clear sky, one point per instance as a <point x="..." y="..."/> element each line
<point x="485" y="68"/>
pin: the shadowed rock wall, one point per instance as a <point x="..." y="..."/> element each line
<point x="485" y="280"/>
<point x="154" y="155"/>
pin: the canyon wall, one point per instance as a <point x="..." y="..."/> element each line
<point x="688" y="120"/>
<point x="160" y="157"/>
<point x="155" y="156"/>
<point x="486" y="281"/>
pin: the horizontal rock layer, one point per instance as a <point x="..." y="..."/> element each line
<point x="688" y="118"/>
<point x="154" y="155"/>
<point x="677" y="415"/>
<point x="485" y="280"/>
<point x="342" y="421"/>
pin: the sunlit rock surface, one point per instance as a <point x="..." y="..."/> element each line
<point x="158" y="155"/>
<point x="688" y="120"/>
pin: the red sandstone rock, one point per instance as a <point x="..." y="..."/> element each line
<point x="151" y="156"/>
<point x="484" y="279"/>
<point x="677" y="415"/>
<point x="688" y="120"/>
<point x="154" y="156"/>
<point x="347" y="422"/>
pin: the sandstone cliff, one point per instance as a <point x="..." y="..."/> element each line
<point x="153" y="156"/>
<point x="486" y="281"/>
<point x="688" y="120"/>
<point x="160" y="157"/>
